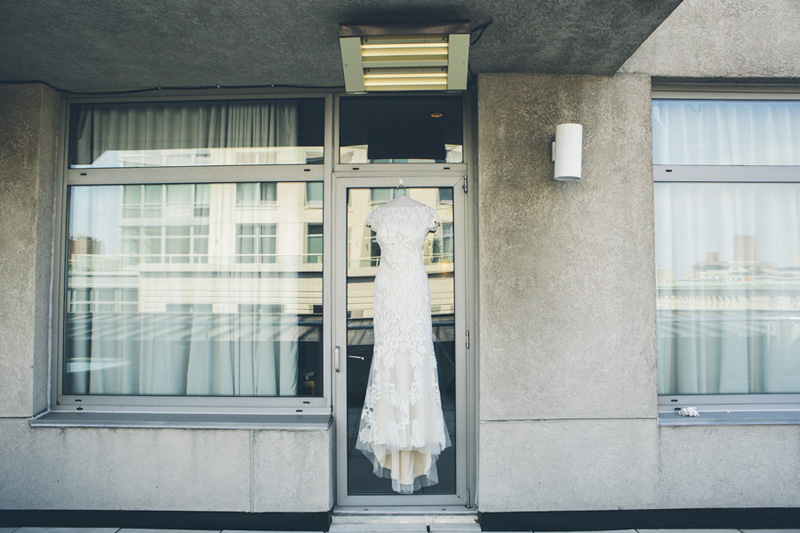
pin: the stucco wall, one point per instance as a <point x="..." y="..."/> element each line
<point x="567" y="320"/>
<point x="29" y="115"/>
<point x="164" y="469"/>
<point x="567" y="317"/>
<point x="724" y="39"/>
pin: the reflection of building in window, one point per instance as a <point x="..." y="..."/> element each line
<point x="155" y="201"/>
<point x="164" y="244"/>
<point x="445" y="196"/>
<point x="314" y="194"/>
<point x="189" y="308"/>
<point x="380" y="196"/>
<point x="314" y="243"/>
<point x="84" y="245"/>
<point x="256" y="243"/>
<point x="261" y="309"/>
<point x="256" y="193"/>
<point x="105" y="300"/>
<point x="443" y="246"/>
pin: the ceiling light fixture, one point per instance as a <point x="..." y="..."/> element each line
<point x="404" y="57"/>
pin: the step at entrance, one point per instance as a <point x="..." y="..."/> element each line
<point x="405" y="523"/>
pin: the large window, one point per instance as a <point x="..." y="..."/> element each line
<point x="727" y="207"/>
<point x="183" y="285"/>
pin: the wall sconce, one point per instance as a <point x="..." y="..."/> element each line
<point x="567" y="152"/>
<point x="405" y="57"/>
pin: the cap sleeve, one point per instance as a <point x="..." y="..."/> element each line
<point x="433" y="222"/>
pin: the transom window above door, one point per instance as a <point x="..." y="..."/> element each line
<point x="401" y="130"/>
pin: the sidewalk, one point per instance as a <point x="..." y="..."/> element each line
<point x="359" y="528"/>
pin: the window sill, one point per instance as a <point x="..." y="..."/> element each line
<point x="730" y="418"/>
<point x="61" y="419"/>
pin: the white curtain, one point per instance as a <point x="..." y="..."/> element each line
<point x="726" y="132"/>
<point x="100" y="129"/>
<point x="728" y="260"/>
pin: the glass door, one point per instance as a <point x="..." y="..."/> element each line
<point x="358" y="260"/>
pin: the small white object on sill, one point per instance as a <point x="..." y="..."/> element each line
<point x="688" y="411"/>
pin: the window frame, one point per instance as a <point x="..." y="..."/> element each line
<point x="717" y="408"/>
<point x="297" y="406"/>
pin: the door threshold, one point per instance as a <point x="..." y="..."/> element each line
<point x="437" y="513"/>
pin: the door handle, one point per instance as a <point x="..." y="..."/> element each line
<point x="336" y="362"/>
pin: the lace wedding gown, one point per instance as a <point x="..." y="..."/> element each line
<point x="402" y="429"/>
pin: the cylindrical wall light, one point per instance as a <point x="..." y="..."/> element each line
<point x="567" y="152"/>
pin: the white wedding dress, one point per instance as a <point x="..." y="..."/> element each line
<point x="402" y="429"/>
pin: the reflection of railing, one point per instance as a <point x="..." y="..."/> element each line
<point x="95" y="263"/>
<point x="85" y="263"/>
<point x="427" y="259"/>
<point x="732" y="323"/>
<point x="209" y="156"/>
<point x="194" y="327"/>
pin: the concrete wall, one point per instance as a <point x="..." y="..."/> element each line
<point x="28" y="126"/>
<point x="724" y="39"/>
<point x="164" y="469"/>
<point x="95" y="468"/>
<point x="567" y="320"/>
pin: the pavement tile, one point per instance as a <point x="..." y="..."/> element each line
<point x="374" y="528"/>
<point x="134" y="530"/>
<point x="455" y="528"/>
<point x="689" y="530"/>
<point x="770" y="530"/>
<point x="66" y="530"/>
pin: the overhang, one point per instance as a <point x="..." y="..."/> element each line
<point x="107" y="44"/>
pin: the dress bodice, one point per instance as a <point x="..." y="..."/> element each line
<point x="401" y="230"/>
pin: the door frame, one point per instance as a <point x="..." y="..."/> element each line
<point x="465" y="364"/>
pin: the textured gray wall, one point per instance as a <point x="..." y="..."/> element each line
<point x="724" y="39"/>
<point x="567" y="314"/>
<point x="29" y="115"/>
<point x="164" y="469"/>
<point x="567" y="319"/>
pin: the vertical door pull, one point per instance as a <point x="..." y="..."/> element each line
<point x="336" y="363"/>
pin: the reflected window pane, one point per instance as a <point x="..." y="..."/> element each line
<point x="180" y="304"/>
<point x="728" y="267"/>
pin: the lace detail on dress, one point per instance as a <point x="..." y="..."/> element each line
<point x="402" y="428"/>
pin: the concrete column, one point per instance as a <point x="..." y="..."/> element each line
<point x="567" y="319"/>
<point x="28" y="145"/>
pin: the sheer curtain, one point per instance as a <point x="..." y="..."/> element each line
<point x="726" y="132"/>
<point x="107" y="130"/>
<point x="728" y="254"/>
